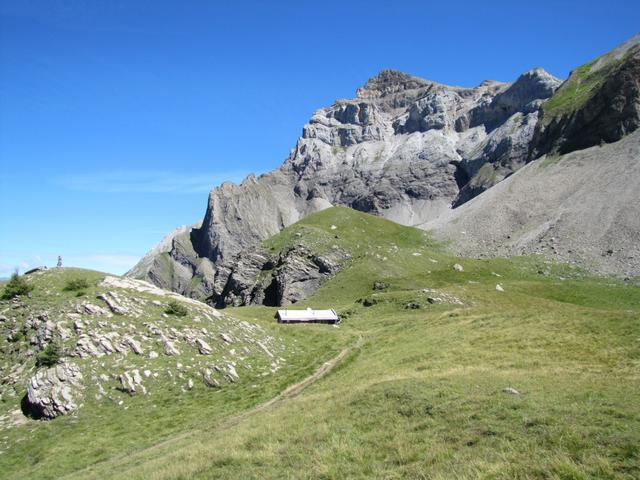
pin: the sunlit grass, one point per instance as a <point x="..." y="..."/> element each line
<point x="422" y="396"/>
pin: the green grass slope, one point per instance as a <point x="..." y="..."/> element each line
<point x="422" y="397"/>
<point x="422" y="392"/>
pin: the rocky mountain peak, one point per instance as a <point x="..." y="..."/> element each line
<point x="405" y="148"/>
<point x="525" y="95"/>
<point x="538" y="82"/>
<point x="389" y="82"/>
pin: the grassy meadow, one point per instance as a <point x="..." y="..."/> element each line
<point x="421" y="393"/>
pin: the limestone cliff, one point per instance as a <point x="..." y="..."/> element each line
<point x="405" y="148"/>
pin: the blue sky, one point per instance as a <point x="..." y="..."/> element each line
<point x="118" y="116"/>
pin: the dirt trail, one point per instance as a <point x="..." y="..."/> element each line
<point x="296" y="388"/>
<point x="290" y="392"/>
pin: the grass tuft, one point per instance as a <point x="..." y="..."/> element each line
<point x="75" y="285"/>
<point x="176" y="308"/>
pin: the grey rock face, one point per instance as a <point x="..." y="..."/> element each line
<point x="260" y="278"/>
<point x="498" y="156"/>
<point x="54" y="391"/>
<point x="299" y="273"/>
<point x="525" y="95"/>
<point x="405" y="148"/>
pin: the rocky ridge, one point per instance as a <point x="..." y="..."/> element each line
<point x="599" y="103"/>
<point x="276" y="278"/>
<point x="404" y="148"/>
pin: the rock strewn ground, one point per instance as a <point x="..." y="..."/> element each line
<point x="127" y="346"/>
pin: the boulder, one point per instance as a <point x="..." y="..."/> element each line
<point x="170" y="349"/>
<point x="131" y="382"/>
<point x="134" y="345"/>
<point x="53" y="391"/>
<point x="208" y="379"/>
<point x="380" y="286"/>
<point x="203" y="347"/>
<point x="106" y="345"/>
<point x="93" y="310"/>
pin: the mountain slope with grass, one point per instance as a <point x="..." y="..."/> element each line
<point x="598" y="103"/>
<point x="442" y="367"/>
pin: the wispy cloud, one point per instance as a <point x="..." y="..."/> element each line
<point x="139" y="181"/>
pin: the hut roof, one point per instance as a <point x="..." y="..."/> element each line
<point x="308" y="315"/>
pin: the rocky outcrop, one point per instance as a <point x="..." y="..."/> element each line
<point x="405" y="148"/>
<point x="91" y="309"/>
<point x="53" y="391"/>
<point x="131" y="383"/>
<point x="113" y="302"/>
<point x="174" y="265"/>
<point x="599" y="103"/>
<point x="276" y="280"/>
<point x="525" y="95"/>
